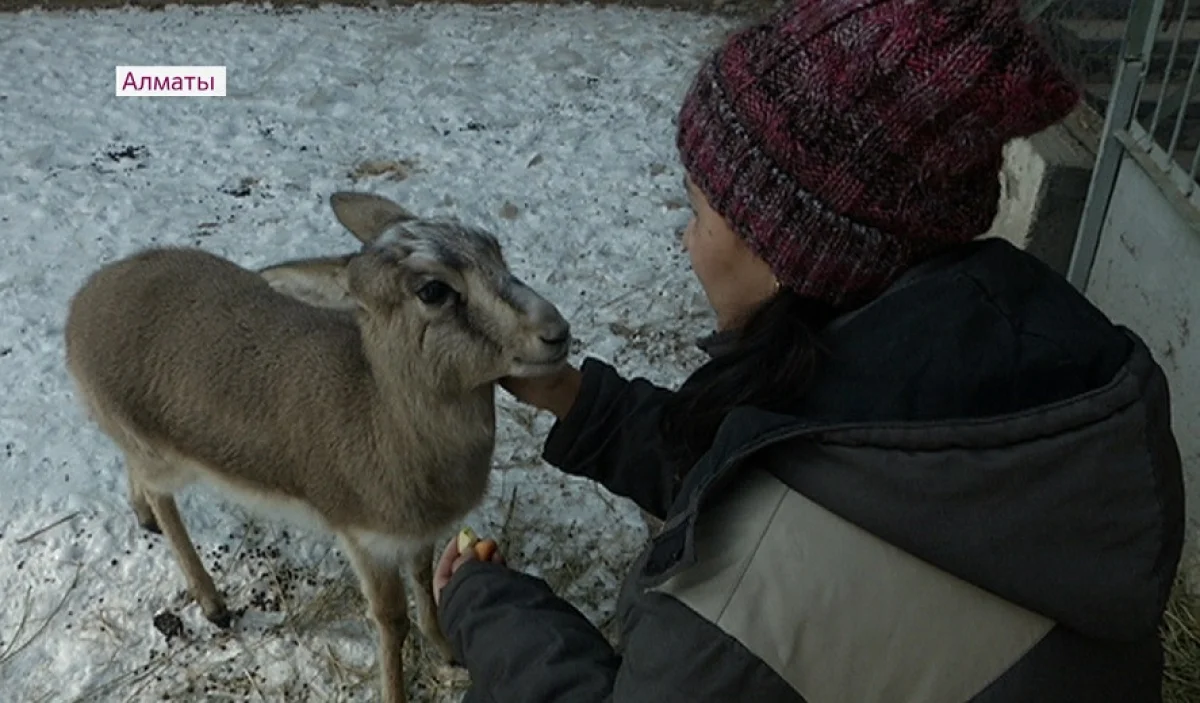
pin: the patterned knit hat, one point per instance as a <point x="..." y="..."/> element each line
<point x="847" y="140"/>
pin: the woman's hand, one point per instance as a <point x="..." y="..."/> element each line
<point x="555" y="392"/>
<point x="449" y="563"/>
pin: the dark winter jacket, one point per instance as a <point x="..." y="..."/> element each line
<point x="979" y="500"/>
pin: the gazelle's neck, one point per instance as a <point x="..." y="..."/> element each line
<point x="419" y="419"/>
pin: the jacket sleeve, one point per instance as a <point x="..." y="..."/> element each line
<point x="522" y="644"/>
<point x="520" y="641"/>
<point x="611" y="436"/>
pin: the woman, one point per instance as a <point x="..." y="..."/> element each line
<point x="919" y="465"/>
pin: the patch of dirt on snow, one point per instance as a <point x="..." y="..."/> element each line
<point x="389" y="169"/>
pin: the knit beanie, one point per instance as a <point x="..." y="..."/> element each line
<point x="847" y="140"/>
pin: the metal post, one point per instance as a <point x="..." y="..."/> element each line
<point x="1140" y="30"/>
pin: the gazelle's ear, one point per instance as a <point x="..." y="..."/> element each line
<point x="321" y="282"/>
<point x="367" y="215"/>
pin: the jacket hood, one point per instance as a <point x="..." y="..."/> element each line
<point x="983" y="416"/>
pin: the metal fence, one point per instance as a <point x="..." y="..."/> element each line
<point x="1093" y="38"/>
<point x="1166" y="116"/>
<point x="1086" y="35"/>
<point x="1150" y="102"/>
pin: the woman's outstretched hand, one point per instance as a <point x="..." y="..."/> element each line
<point x="555" y="392"/>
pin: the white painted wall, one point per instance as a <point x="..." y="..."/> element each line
<point x="1043" y="185"/>
<point x="1020" y="184"/>
<point x="1147" y="277"/>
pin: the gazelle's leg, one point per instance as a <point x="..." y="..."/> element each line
<point x="200" y="584"/>
<point x="383" y="588"/>
<point x="421" y="572"/>
<point x="139" y="503"/>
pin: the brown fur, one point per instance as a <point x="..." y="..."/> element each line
<point x="323" y="387"/>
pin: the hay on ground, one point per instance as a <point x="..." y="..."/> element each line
<point x="1181" y="645"/>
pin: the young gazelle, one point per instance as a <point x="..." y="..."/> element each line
<point x="371" y="411"/>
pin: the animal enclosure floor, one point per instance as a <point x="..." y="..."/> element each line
<point x="551" y="125"/>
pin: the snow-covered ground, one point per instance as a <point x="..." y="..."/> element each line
<point x="552" y="126"/>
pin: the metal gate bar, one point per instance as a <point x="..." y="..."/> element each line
<point x="1136" y="53"/>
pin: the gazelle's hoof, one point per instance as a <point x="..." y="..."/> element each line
<point x="222" y="619"/>
<point x="219" y="616"/>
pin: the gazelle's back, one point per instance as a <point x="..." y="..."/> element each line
<point x="195" y="355"/>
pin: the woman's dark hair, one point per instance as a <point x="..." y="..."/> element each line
<point x="773" y="357"/>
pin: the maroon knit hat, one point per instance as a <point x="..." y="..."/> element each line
<point x="847" y="140"/>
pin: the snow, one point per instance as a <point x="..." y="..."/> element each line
<point x="553" y="126"/>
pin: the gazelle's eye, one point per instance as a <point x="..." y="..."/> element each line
<point x="435" y="293"/>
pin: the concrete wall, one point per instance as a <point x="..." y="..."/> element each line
<point x="1147" y="277"/>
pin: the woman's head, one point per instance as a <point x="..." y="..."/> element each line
<point x="828" y="150"/>
<point x="735" y="279"/>
<point x="844" y="142"/>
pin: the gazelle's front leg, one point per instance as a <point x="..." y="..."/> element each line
<point x="383" y="588"/>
